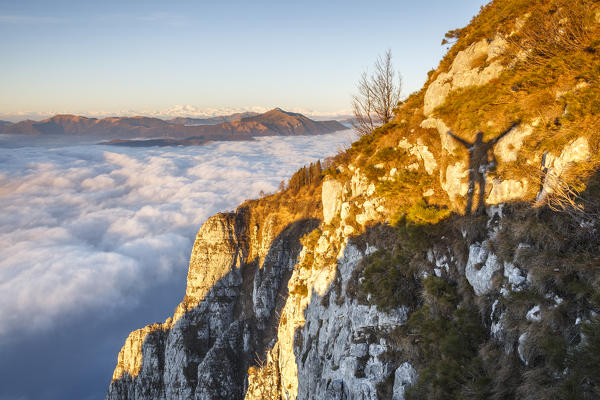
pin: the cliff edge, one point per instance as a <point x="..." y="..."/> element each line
<point x="452" y="253"/>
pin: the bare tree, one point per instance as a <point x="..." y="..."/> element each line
<point x="378" y="95"/>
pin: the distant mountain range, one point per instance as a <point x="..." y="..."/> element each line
<point x="120" y="130"/>
<point x="212" y="120"/>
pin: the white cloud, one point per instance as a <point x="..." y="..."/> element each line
<point x="88" y="228"/>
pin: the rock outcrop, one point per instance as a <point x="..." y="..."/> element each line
<point x="225" y="320"/>
<point x="465" y="71"/>
<point x="383" y="284"/>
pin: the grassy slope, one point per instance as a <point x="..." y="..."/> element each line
<point x="447" y="336"/>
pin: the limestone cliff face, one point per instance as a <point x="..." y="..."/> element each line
<point x="225" y="319"/>
<point x="322" y="330"/>
<point x="287" y="323"/>
<point x="288" y="304"/>
<point x="251" y="327"/>
<point x="265" y="316"/>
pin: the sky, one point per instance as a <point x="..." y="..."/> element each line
<point x="210" y="57"/>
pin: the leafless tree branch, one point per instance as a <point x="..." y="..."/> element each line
<point x="378" y="95"/>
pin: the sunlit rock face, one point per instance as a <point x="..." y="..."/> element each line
<point x="507" y="190"/>
<point x="218" y="246"/>
<point x="226" y="318"/>
<point x="332" y="199"/>
<point x="141" y="355"/>
<point x="507" y="148"/>
<point x="160" y="360"/>
<point x="464" y="73"/>
<point x="556" y="166"/>
<point x="422" y="153"/>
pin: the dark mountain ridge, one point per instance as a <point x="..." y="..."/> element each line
<point x="272" y="123"/>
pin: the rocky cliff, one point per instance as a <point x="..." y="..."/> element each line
<point x="423" y="264"/>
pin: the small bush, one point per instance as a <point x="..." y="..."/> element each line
<point x="422" y="213"/>
<point x="387" y="154"/>
<point x="583" y="362"/>
<point x="440" y="293"/>
<point x="390" y="280"/>
<point x="450" y="349"/>
<point x="300" y="290"/>
<point x="310" y="239"/>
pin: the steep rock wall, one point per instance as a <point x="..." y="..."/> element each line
<point x="224" y="321"/>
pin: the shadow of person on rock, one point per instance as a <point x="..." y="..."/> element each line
<point x="481" y="160"/>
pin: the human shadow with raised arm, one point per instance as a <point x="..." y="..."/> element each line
<point x="481" y="160"/>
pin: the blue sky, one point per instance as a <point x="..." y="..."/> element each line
<point x="93" y="57"/>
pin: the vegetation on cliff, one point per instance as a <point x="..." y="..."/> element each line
<point x="501" y="299"/>
<point x="549" y="81"/>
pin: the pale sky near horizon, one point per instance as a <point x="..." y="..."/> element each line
<point x="113" y="57"/>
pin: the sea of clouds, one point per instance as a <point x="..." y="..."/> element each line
<point x="95" y="242"/>
<point x="87" y="226"/>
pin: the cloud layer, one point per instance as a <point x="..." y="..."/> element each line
<point x="86" y="229"/>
